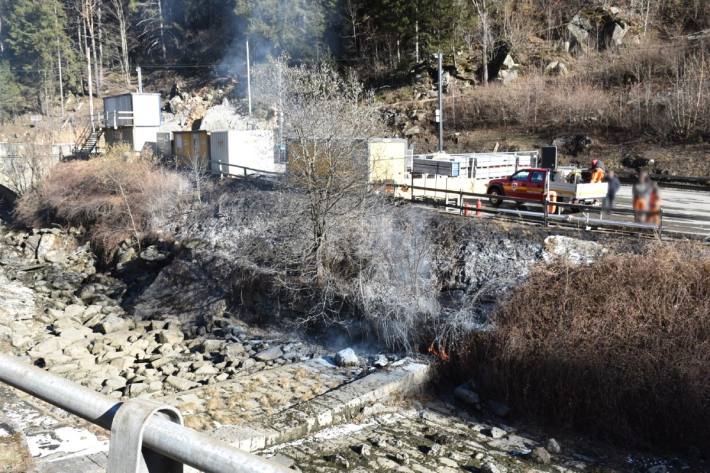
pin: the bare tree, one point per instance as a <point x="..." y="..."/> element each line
<point x="481" y="7"/>
<point x="117" y="10"/>
<point x="326" y="115"/>
<point x="198" y="173"/>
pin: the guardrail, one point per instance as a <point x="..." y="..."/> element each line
<point x="134" y="425"/>
<point x="543" y="216"/>
<point x="245" y="169"/>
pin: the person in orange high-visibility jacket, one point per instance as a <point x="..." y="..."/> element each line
<point x="654" y="205"/>
<point x="642" y="195"/>
<point x="597" y="172"/>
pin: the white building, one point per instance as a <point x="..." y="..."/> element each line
<point x="132" y="118"/>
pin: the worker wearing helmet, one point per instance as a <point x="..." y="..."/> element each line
<point x="597" y="171"/>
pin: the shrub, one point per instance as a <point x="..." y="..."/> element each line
<point x="620" y="348"/>
<point x="114" y="197"/>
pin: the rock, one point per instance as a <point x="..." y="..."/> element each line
<point x="114" y="383"/>
<point x="498" y="433"/>
<point x="212" y="345"/>
<point x="152" y="254"/>
<point x="466" y="395"/>
<point x="111" y="323"/>
<point x="363" y="449"/>
<point x="137" y="388"/>
<point x="490" y="467"/>
<point x="346" y="357"/>
<point x="269" y="354"/>
<point x="170" y="336"/>
<point x="380" y="361"/>
<point x="573" y="250"/>
<point x="413" y="131"/>
<point x="435" y="450"/>
<point x="553" y="446"/>
<point x="541" y="455"/>
<point x="402" y="458"/>
<point x="338" y="460"/>
<point x="235" y="350"/>
<point x="46" y="348"/>
<point x="556" y="68"/>
<point x="180" y="383"/>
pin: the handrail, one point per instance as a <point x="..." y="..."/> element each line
<point x="164" y="437"/>
<point x="247" y="168"/>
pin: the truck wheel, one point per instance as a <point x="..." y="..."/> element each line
<point x="495" y="197"/>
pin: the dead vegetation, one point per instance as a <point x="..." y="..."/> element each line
<point x="620" y="348"/>
<point x="116" y="198"/>
<point x="654" y="90"/>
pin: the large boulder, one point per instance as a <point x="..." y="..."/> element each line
<point x="597" y="28"/>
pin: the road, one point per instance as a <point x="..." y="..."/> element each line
<point x="695" y="204"/>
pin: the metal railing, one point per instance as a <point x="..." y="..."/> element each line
<point x="544" y="216"/>
<point x="159" y="435"/>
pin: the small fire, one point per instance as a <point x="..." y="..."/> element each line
<point x="438" y="352"/>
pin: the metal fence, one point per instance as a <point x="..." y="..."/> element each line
<point x="143" y="437"/>
<point x="581" y="215"/>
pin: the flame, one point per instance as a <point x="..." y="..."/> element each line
<point x="439" y="352"/>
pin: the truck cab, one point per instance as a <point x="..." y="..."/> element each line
<point x="526" y="183"/>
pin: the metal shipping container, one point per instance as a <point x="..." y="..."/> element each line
<point x="191" y="147"/>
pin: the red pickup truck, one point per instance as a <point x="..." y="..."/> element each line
<point x="529" y="184"/>
<point x="524" y="184"/>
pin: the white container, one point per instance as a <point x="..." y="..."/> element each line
<point x="132" y="109"/>
<point x="244" y="152"/>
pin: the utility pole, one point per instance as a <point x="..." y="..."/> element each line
<point x="249" y="78"/>
<point x="440" y="110"/>
<point x="140" y="79"/>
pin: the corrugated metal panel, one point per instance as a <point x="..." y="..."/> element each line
<point x="165" y="143"/>
<point x="118" y="110"/>
<point x="219" y="149"/>
<point x="191" y="145"/>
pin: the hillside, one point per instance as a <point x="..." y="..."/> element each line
<point x="627" y="82"/>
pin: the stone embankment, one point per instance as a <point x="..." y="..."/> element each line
<point x="271" y="393"/>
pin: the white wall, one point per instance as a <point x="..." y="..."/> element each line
<point x="145" y="135"/>
<point x="146" y="109"/>
<point x="236" y="150"/>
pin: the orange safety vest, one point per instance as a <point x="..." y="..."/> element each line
<point x="597" y="175"/>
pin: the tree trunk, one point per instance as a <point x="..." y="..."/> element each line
<point x="99" y="17"/>
<point x="416" y="41"/>
<point x="88" y="77"/>
<point x="59" y="62"/>
<point x="92" y="36"/>
<point x="162" y="29"/>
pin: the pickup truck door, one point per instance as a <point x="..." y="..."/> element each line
<point x="517" y="186"/>
<point x="536" y="187"/>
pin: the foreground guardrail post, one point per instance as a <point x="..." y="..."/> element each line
<point x="126" y="453"/>
<point x="168" y="439"/>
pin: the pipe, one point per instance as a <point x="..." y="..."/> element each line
<point x="162" y="436"/>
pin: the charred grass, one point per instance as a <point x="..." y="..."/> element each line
<point x="620" y="348"/>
